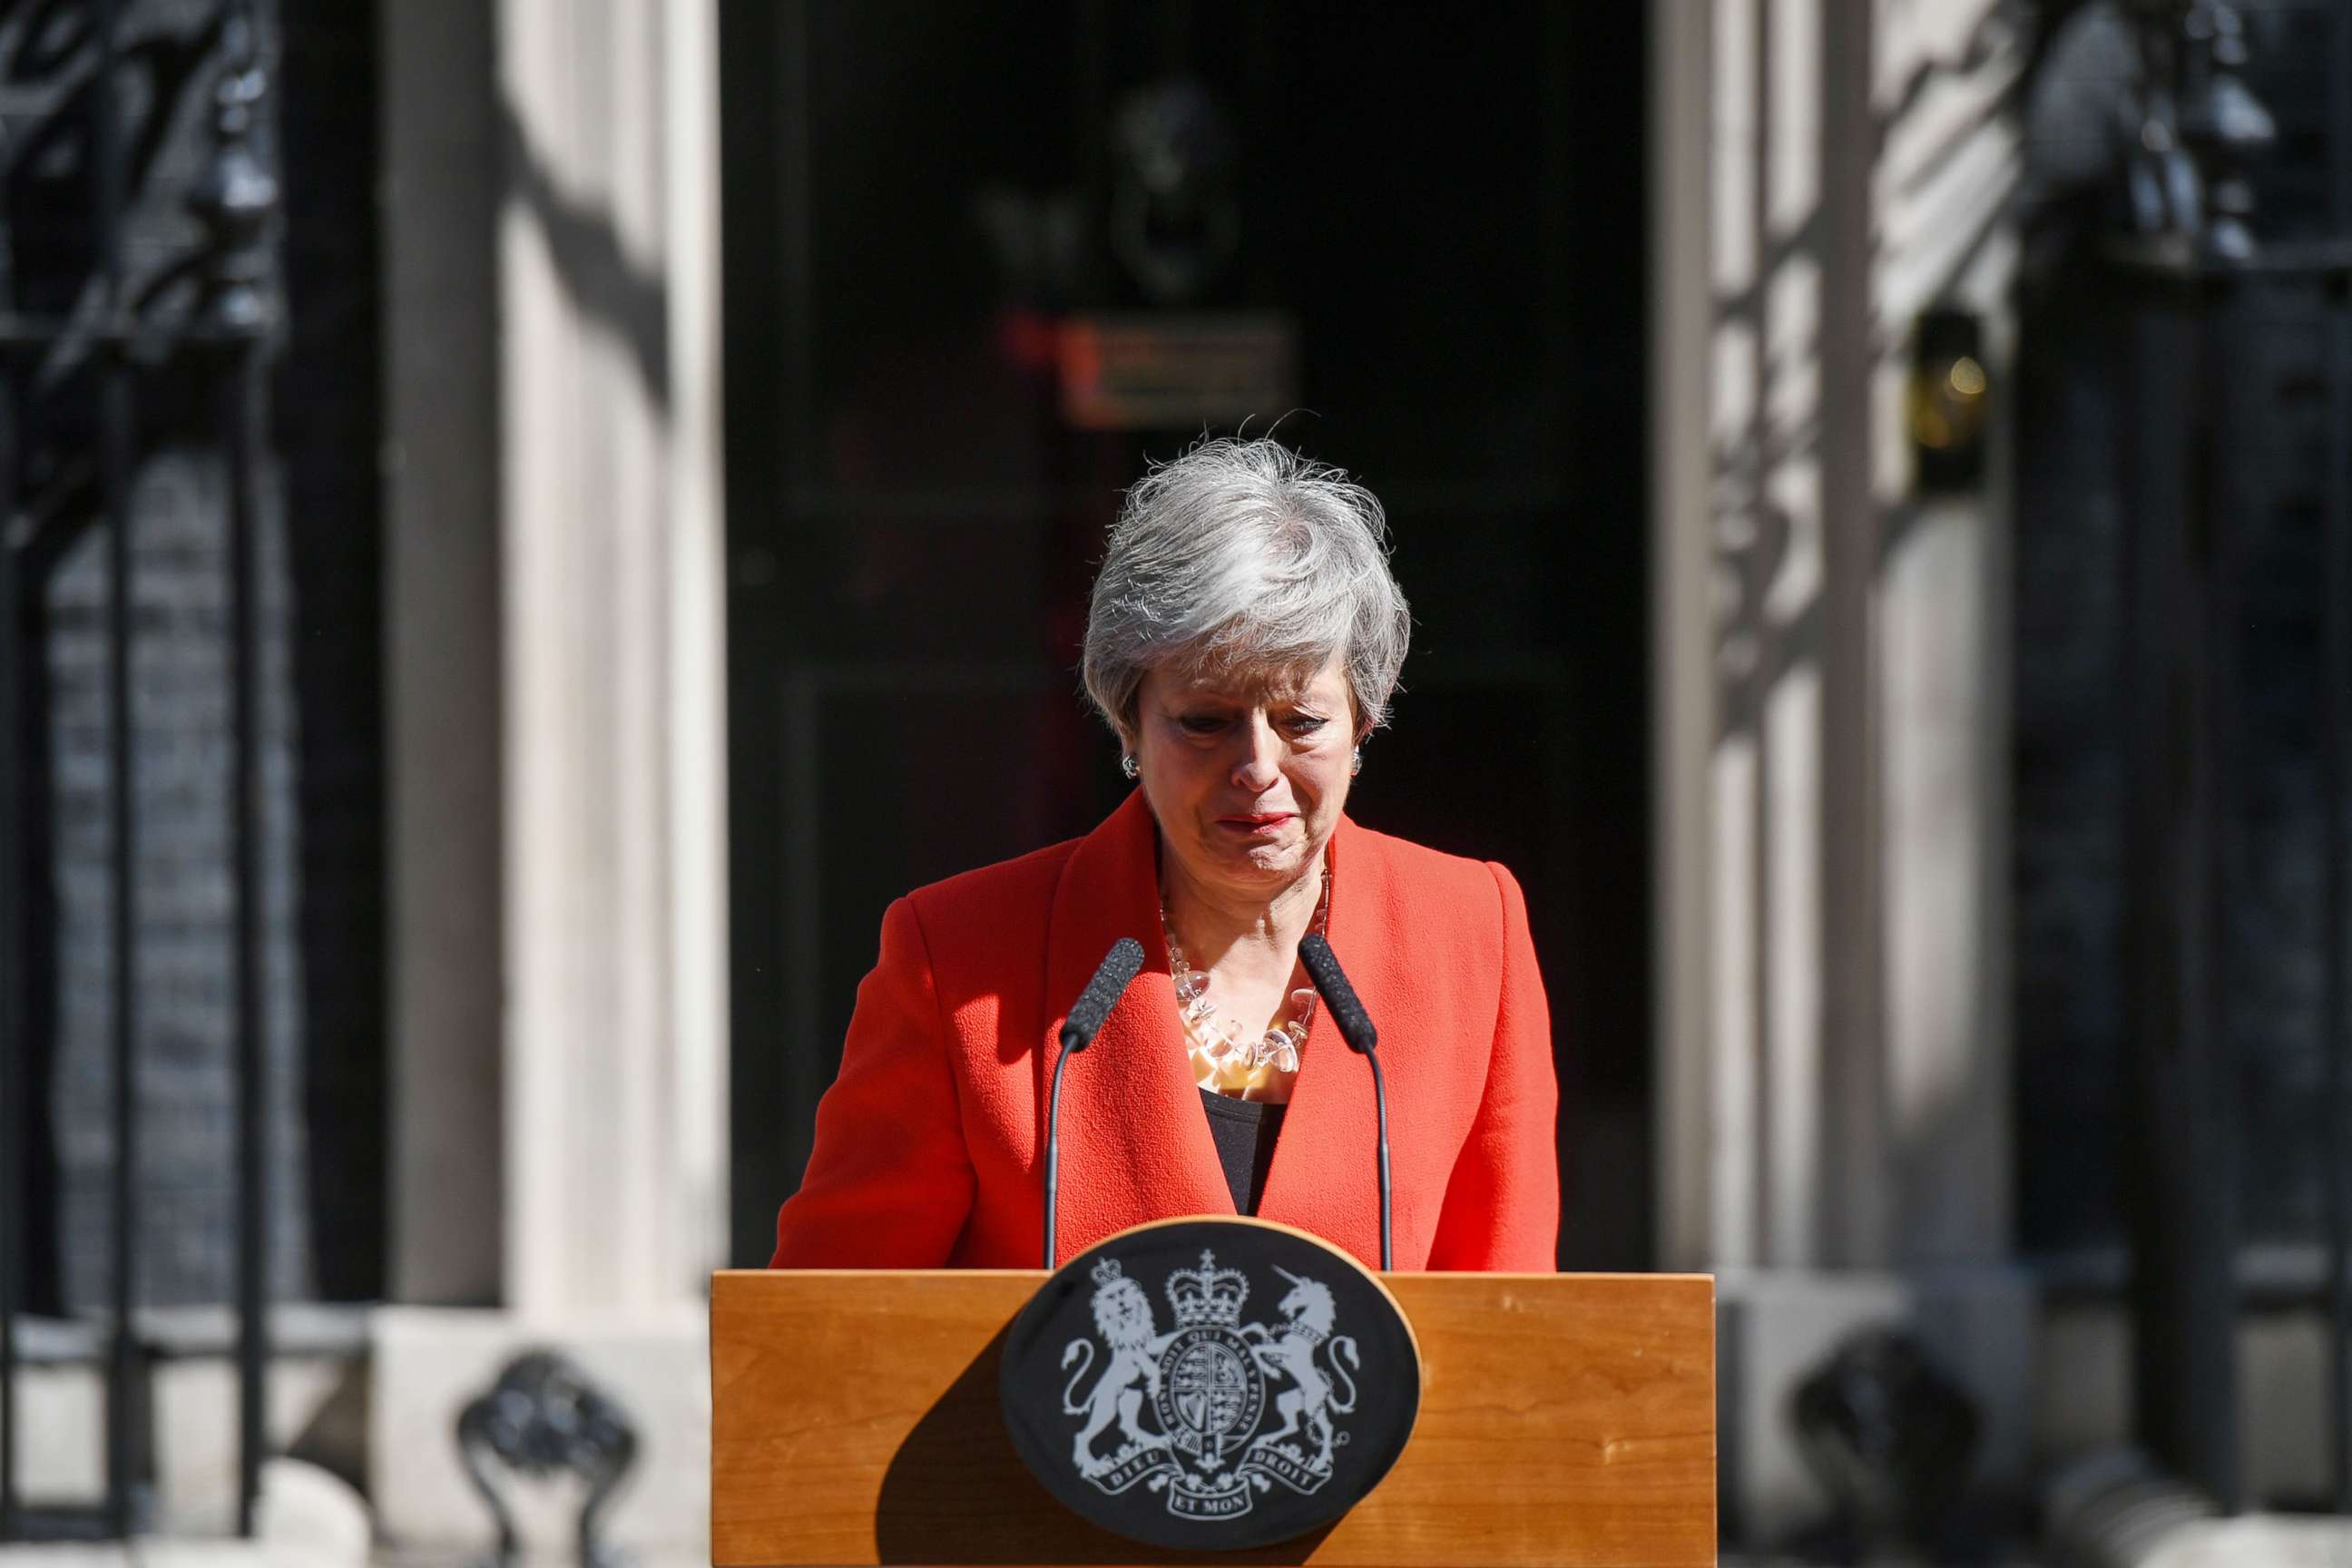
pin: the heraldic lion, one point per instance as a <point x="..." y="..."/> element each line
<point x="1123" y="1318"/>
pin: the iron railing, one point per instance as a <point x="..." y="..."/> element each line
<point x="215" y="310"/>
<point x="2207" y="317"/>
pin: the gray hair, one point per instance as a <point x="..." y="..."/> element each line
<point x="1242" y="556"/>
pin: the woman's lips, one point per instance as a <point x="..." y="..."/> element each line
<point x="1256" y="822"/>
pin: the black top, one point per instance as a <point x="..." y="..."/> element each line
<point x="1245" y="1131"/>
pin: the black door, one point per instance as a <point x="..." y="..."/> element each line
<point x="982" y="264"/>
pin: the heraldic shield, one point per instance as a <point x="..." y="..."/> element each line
<point x="1211" y="1383"/>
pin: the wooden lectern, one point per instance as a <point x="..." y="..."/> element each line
<point x="1566" y="1420"/>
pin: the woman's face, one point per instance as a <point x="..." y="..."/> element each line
<point x="1246" y="780"/>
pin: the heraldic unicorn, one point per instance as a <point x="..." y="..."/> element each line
<point x="1204" y="1385"/>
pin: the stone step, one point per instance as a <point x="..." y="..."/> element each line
<point x="149" y="1552"/>
<point x="193" y="1427"/>
<point x="297" y="1329"/>
<point x="307" y="1519"/>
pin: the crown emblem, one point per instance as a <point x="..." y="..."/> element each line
<point x="1207" y="1296"/>
<point x="1106" y="1270"/>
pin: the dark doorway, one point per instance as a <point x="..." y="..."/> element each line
<point x="961" y="317"/>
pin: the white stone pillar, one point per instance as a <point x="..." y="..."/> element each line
<point x="1830" y="725"/>
<point x="1947" y="172"/>
<point x="613" y="753"/>
<point x="442" y="652"/>
<point x="698" y="640"/>
<point x="557" y="600"/>
<point x="1682" y="624"/>
<point x="1831" y="670"/>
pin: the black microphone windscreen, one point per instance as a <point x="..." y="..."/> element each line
<point x="1323" y="968"/>
<point x="1094" y="1004"/>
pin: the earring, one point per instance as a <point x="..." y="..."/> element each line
<point x="1129" y="765"/>
<point x="1356" y="762"/>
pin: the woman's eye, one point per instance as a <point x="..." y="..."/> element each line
<point x="1202" y="724"/>
<point x="1305" y="723"/>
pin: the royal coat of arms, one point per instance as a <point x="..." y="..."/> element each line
<point x="1185" y="1412"/>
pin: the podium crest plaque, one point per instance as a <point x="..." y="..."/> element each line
<point x="1276" y="1388"/>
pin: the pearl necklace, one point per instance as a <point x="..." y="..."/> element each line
<point x="1225" y="1048"/>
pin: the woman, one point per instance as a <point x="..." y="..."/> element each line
<point x="1244" y="640"/>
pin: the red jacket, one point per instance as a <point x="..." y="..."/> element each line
<point x="931" y="1143"/>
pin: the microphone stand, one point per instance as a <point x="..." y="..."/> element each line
<point x="1053" y="1149"/>
<point x="1380" y="1104"/>
<point x="1086" y="1016"/>
<point x="1356" y="1028"/>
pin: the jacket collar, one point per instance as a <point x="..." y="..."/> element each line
<point x="1136" y="1144"/>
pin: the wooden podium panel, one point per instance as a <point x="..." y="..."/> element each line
<point x="1566" y="1420"/>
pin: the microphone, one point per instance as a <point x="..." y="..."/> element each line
<point x="1087" y="1014"/>
<point x="1094" y="1004"/>
<point x="1356" y="1028"/>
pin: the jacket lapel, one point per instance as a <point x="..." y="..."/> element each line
<point x="1325" y="1175"/>
<point x="1135" y="1143"/>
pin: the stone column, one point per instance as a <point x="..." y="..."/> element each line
<point x="1834" y="1107"/>
<point x="1830" y="645"/>
<point x="442" y="742"/>
<point x="611" y="602"/>
<point x="1945" y="81"/>
<point x="562" y="1123"/>
<point x="1682" y="620"/>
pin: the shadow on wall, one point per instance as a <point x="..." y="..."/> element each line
<point x="591" y="263"/>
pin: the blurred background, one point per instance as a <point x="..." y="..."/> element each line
<point x="524" y="523"/>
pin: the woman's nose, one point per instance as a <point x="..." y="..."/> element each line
<point x="1259" y="763"/>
